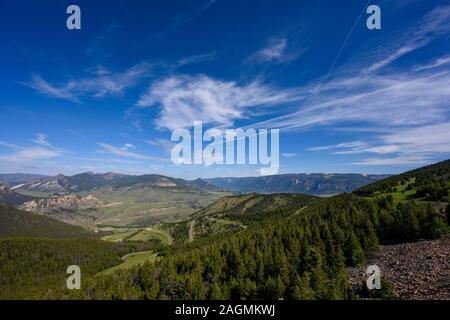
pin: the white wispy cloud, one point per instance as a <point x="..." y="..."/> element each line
<point x="34" y="153"/>
<point x="195" y="59"/>
<point x="41" y="139"/>
<point x="354" y="145"/>
<point x="402" y="146"/>
<point x="45" y="88"/>
<point x="406" y="115"/>
<point x="388" y="100"/>
<point x="117" y="151"/>
<point x="435" y="64"/>
<point x="42" y="150"/>
<point x="434" y="24"/>
<point x="8" y="145"/>
<point x="185" y="99"/>
<point x="425" y="140"/>
<point x="99" y="70"/>
<point x="100" y="84"/>
<point x="289" y="155"/>
<point x="166" y="145"/>
<point x="394" y="161"/>
<point x="128" y="146"/>
<point x="273" y="52"/>
<point x="276" y="51"/>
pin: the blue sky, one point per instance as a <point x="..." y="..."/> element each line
<point x="107" y="97"/>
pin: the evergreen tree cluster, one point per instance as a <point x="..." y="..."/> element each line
<point x="303" y="257"/>
<point x="32" y="268"/>
<point x="430" y="182"/>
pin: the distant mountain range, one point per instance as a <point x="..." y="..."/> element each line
<point x="312" y="184"/>
<point x="14" y="179"/>
<point x="88" y="181"/>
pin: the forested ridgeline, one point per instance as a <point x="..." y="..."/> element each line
<point x="32" y="268"/>
<point x="231" y="214"/>
<point x="254" y="203"/>
<point x="302" y="257"/>
<point x="430" y="182"/>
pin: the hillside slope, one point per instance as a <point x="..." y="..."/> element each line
<point x="9" y="196"/>
<point x="429" y="183"/>
<point x="231" y="214"/>
<point x="254" y="203"/>
<point x="17" y="223"/>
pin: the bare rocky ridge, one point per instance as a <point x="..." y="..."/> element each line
<point x="418" y="270"/>
<point x="69" y="202"/>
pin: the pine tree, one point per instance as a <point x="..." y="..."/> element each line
<point x="357" y="256"/>
<point x="447" y="214"/>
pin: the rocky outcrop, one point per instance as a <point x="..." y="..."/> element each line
<point x="163" y="182"/>
<point x="69" y="202"/>
<point x="417" y="270"/>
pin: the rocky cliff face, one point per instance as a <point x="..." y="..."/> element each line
<point x="164" y="182"/>
<point x="69" y="202"/>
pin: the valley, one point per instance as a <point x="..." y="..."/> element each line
<point x="97" y="200"/>
<point x="193" y="240"/>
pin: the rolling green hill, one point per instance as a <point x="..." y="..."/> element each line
<point x="236" y="213"/>
<point x="430" y="183"/>
<point x="254" y="204"/>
